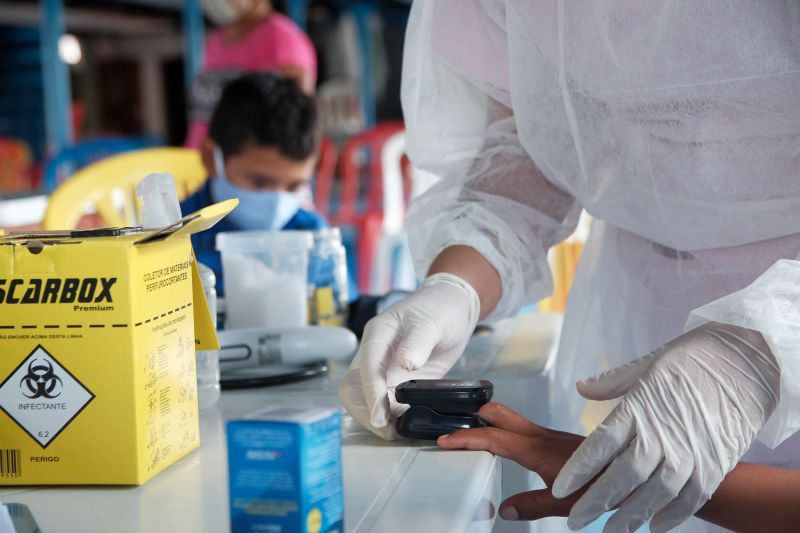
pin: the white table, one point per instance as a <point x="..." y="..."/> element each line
<point x="389" y="487"/>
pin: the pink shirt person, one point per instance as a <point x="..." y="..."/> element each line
<point x="275" y="44"/>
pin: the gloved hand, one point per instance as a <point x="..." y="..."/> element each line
<point x="688" y="412"/>
<point x="420" y="337"/>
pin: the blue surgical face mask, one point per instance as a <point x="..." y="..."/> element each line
<point x="257" y="210"/>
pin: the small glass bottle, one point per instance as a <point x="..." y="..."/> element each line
<point x="208" y="389"/>
<point x="327" y="278"/>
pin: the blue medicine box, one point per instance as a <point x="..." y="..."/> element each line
<point x="285" y="471"/>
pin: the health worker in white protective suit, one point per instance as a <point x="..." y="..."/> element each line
<point x="676" y="125"/>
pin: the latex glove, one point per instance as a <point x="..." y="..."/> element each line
<point x="420" y="337"/>
<point x="689" y="411"/>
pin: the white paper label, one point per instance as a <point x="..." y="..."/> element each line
<point x="42" y="396"/>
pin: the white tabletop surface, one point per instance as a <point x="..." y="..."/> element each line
<point x="389" y="487"/>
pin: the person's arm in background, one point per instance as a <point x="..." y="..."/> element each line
<point x="295" y="55"/>
<point x="304" y="77"/>
<point x="752" y="498"/>
<point x="481" y="234"/>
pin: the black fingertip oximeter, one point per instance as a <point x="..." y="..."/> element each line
<point x="440" y="406"/>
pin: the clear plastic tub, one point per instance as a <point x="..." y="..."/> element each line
<point x="266" y="277"/>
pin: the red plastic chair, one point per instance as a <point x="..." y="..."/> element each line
<point x="323" y="181"/>
<point x="15" y="165"/>
<point x="361" y="172"/>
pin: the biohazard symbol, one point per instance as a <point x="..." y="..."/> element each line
<point x="41" y="381"/>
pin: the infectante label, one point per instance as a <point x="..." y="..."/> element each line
<point x="42" y="396"/>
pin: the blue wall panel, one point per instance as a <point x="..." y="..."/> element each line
<point x="21" y="96"/>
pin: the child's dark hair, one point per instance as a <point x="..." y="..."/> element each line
<point x="267" y="110"/>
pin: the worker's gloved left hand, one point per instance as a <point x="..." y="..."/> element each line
<point x="420" y="337"/>
<point x="688" y="412"/>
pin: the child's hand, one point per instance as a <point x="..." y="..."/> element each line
<point x="539" y="449"/>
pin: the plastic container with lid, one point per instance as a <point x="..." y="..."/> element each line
<point x="208" y="389"/>
<point x="266" y="277"/>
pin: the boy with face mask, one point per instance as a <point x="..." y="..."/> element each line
<point x="261" y="149"/>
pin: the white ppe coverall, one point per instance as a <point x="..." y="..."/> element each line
<point x="675" y="124"/>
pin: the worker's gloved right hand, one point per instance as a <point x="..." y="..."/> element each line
<point x="420" y="337"/>
<point x="687" y="413"/>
